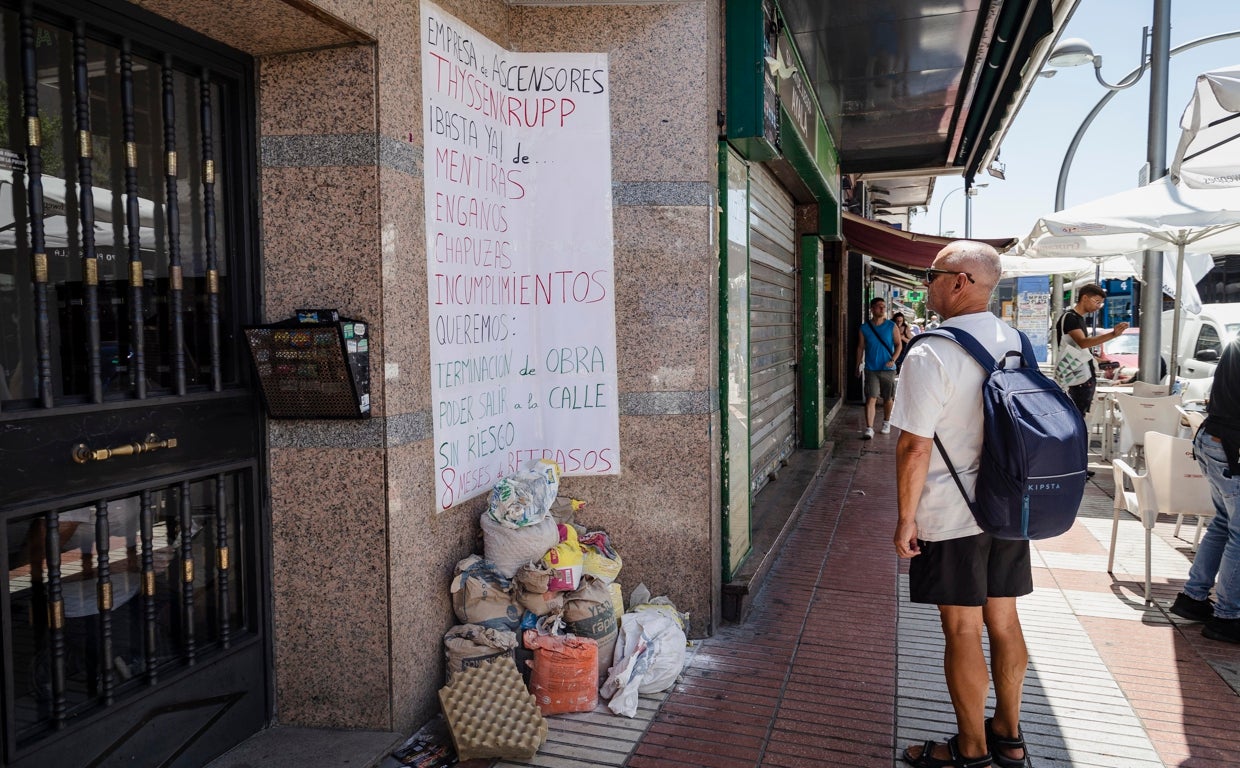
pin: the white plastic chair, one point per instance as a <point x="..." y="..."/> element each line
<point x="1196" y="390"/>
<point x="1098" y="423"/>
<point x="1172" y="485"/>
<point x="1146" y="389"/>
<point x="1145" y="414"/>
<point x="1192" y="418"/>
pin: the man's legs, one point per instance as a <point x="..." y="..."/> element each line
<point x="871" y="405"/>
<point x="1009" y="659"/>
<point x="964" y="665"/>
<point x="887" y="391"/>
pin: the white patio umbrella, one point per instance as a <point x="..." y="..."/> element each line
<point x="1106" y="267"/>
<point x="1208" y="154"/>
<point x="1160" y="216"/>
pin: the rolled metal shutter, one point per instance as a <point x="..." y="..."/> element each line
<point x="772" y="326"/>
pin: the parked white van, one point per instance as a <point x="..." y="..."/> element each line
<point x="1202" y="337"/>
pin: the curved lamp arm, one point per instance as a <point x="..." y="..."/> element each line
<point x="1062" y="186"/>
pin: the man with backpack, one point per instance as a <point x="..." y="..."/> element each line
<point x="972" y="576"/>
<point x="878" y="348"/>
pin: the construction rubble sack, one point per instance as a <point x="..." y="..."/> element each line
<point x="509" y="548"/>
<point x="590" y="612"/>
<point x="650" y="654"/>
<point x="532" y="593"/>
<point x="599" y="558"/>
<point x="481" y="595"/>
<point x="565" y="560"/>
<point x="565" y="672"/>
<point x="468" y="645"/>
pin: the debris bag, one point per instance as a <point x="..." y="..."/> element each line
<point x="468" y="645"/>
<point x="525" y="497"/>
<point x="565" y="508"/>
<point x="589" y="612"/>
<point x="617" y="600"/>
<point x="565" y="672"/>
<point x="510" y="548"/>
<point x="599" y="558"/>
<point x="532" y="580"/>
<point x="481" y="595"/>
<point x="650" y="654"/>
<point x="565" y="560"/>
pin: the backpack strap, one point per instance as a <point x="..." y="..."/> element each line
<point x="989" y="365"/>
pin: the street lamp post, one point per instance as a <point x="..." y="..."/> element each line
<point x="1061" y="187"/>
<point x="968" y="226"/>
<point x="1071" y="53"/>
<point x="941" y="204"/>
<point x="970" y="193"/>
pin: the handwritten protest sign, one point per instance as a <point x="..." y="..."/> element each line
<point x="519" y="259"/>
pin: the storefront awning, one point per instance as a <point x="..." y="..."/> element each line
<point x="894" y="246"/>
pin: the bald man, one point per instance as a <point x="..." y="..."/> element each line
<point x="972" y="577"/>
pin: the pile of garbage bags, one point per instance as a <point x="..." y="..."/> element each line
<point x="545" y="594"/>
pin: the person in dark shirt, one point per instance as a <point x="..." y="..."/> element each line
<point x="1089" y="298"/>
<point x="1217" y="564"/>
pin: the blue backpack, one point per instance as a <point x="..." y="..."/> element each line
<point x="1034" y="447"/>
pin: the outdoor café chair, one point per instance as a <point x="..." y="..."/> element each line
<point x="1171" y="485"/>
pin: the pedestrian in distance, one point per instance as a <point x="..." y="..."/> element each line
<point x="972" y="577"/>
<point x="1217" y="563"/>
<point x="878" y="348"/>
<point x="905" y="330"/>
<point x="1090" y="298"/>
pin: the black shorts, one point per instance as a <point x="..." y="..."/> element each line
<point x="966" y="571"/>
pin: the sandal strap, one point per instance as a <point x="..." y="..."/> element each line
<point x="960" y="761"/>
<point x="1018" y="742"/>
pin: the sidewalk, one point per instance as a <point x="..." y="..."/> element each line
<point x="834" y="667"/>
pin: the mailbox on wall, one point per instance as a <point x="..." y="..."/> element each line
<point x="313" y="366"/>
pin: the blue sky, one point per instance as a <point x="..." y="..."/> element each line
<point x="1114" y="148"/>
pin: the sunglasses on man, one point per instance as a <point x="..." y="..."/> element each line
<point x="932" y="273"/>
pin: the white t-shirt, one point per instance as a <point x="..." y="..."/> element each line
<point x="941" y="393"/>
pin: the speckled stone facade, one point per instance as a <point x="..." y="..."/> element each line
<point x="361" y="559"/>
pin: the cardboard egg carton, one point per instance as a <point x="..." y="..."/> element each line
<point x="491" y="714"/>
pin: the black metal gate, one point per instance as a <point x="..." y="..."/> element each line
<point x="129" y="436"/>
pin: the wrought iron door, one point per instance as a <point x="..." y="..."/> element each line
<point x="132" y="627"/>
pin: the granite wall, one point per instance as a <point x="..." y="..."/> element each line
<point x="361" y="557"/>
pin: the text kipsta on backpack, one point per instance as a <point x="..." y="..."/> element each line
<point x="1032" y="473"/>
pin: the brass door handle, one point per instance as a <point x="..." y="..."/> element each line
<point x="82" y="453"/>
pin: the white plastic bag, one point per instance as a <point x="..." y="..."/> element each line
<point x="525" y="497"/>
<point x="649" y="657"/>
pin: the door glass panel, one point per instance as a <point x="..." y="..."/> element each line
<point x="145" y="636"/>
<point x="63" y="222"/>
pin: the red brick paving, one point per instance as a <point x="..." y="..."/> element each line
<point x="809" y="679"/>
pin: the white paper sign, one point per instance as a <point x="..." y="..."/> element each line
<point x="519" y="259"/>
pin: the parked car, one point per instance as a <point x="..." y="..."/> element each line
<point x="1202" y="336"/>
<point x="1117" y="358"/>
